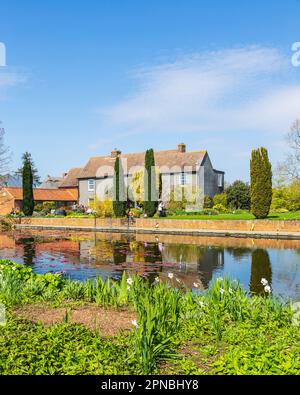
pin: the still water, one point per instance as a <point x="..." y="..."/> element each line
<point x="191" y="259"/>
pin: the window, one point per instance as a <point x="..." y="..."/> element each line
<point x="220" y="180"/>
<point x="91" y="185"/>
<point x="182" y="178"/>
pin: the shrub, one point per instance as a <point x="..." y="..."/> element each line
<point x="103" y="208"/>
<point x="220" y="208"/>
<point x="221" y="199"/>
<point x="208" y="202"/>
<point x="136" y="212"/>
<point x="238" y="195"/>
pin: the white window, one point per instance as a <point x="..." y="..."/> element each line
<point x="220" y="180"/>
<point x="91" y="185"/>
<point x="182" y="178"/>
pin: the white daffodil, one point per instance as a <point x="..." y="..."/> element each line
<point x="157" y="280"/>
<point x="134" y="323"/>
<point x="178" y="280"/>
<point x="129" y="281"/>
<point x="196" y="285"/>
<point x="267" y="289"/>
<point x="14" y="268"/>
<point x="222" y="291"/>
<point x="264" y="282"/>
<point x="201" y="304"/>
<point x="230" y="290"/>
<point x="170" y="275"/>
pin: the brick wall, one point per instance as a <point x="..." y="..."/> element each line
<point x="238" y="225"/>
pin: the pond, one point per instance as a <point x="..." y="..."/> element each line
<point x="191" y="259"/>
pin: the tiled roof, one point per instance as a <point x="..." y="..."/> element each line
<point x="171" y="159"/>
<point x="63" y="195"/>
<point x="71" y="179"/>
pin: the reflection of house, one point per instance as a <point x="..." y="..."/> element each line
<point x="12" y="198"/>
<point x="178" y="168"/>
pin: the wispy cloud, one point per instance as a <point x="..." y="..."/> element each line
<point x="232" y="90"/>
<point x="9" y="79"/>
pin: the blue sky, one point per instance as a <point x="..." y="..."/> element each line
<point x="84" y="77"/>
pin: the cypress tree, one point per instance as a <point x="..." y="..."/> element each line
<point x="150" y="197"/>
<point x="27" y="179"/>
<point x="119" y="200"/>
<point x="261" y="183"/>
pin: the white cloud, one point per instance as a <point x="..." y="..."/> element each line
<point x="9" y="79"/>
<point x="238" y="90"/>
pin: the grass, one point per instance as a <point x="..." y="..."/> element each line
<point x="241" y="216"/>
<point x="222" y="331"/>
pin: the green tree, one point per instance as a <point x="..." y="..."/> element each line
<point x="220" y="198"/>
<point x="36" y="178"/>
<point x="27" y="179"/>
<point x="261" y="183"/>
<point x="150" y="192"/>
<point x="238" y="195"/>
<point x="120" y="200"/>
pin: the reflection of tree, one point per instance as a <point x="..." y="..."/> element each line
<point x="29" y="250"/>
<point x="239" y="252"/>
<point x="211" y="259"/>
<point x="119" y="256"/>
<point x="153" y="255"/>
<point x="260" y="268"/>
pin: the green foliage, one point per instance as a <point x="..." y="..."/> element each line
<point x="64" y="349"/>
<point x="120" y="198"/>
<point x="208" y="202"/>
<point x="220" y="208"/>
<point x="293" y="196"/>
<point x="224" y="330"/>
<point x="238" y="195"/>
<point x="181" y="197"/>
<point x="150" y="192"/>
<point x="261" y="183"/>
<point x="220" y="198"/>
<point x="27" y="178"/>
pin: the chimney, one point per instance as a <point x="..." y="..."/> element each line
<point x="115" y="153"/>
<point x="181" y="147"/>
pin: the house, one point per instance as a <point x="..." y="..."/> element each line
<point x="70" y="179"/>
<point x="51" y="182"/>
<point x="177" y="167"/>
<point x="11" y="198"/>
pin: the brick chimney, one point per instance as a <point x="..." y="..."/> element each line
<point x="181" y="147"/>
<point x="115" y="153"/>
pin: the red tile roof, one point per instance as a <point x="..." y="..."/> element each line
<point x="61" y="195"/>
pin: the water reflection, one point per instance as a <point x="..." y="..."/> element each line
<point x="260" y="268"/>
<point x="191" y="259"/>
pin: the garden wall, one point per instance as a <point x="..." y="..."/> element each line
<point x="292" y="226"/>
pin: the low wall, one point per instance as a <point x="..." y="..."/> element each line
<point x="172" y="224"/>
<point x="234" y="225"/>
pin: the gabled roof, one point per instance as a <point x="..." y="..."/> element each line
<point x="63" y="195"/>
<point x="51" y="182"/>
<point x="71" y="179"/>
<point x="172" y="159"/>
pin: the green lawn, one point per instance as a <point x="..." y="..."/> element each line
<point x="243" y="216"/>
